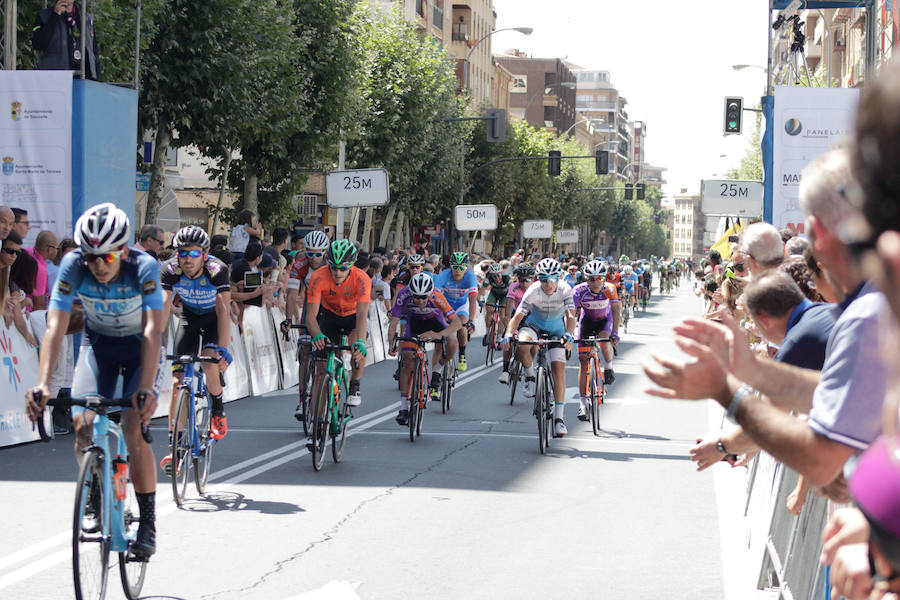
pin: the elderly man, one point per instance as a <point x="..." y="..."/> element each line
<point x="151" y="239"/>
<point x="7" y="218"/>
<point x="843" y="401"/>
<point x="44" y="250"/>
<point x="762" y="244"/>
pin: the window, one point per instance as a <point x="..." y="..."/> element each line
<point x="549" y="113"/>
<point x="308" y="205"/>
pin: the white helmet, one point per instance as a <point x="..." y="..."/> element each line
<point x="548" y="267"/>
<point x="494" y="268"/>
<point x="627" y="270"/>
<point x="594" y="269"/>
<point x="421" y="284"/>
<point x="415" y="260"/>
<point x="315" y="240"/>
<point x="102" y="228"/>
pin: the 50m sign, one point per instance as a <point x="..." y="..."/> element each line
<point x="357" y="187"/>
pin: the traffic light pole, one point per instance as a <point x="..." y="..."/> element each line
<point x="520" y="159"/>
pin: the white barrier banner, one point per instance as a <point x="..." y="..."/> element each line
<point x="36" y="148"/>
<point x="259" y="340"/>
<point x="807" y="122"/>
<point x="18" y="372"/>
<point x="237" y="377"/>
<point x="287" y="350"/>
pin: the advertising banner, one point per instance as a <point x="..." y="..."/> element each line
<point x="808" y="121"/>
<point x="262" y="354"/>
<point x="287" y="350"/>
<point x="36" y="148"/>
<point x="237" y="377"/>
<point x="18" y="372"/>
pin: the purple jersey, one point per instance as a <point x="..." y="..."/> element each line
<point x="594" y="306"/>
<point x="436" y="308"/>
<point x="516" y="291"/>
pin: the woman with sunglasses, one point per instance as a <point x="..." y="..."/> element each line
<point x="594" y="302"/>
<point x="548" y="307"/>
<point x="200" y="282"/>
<point x="123" y="308"/>
<point x="460" y="286"/>
<point x="338" y="304"/>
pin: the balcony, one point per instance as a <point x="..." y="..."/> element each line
<point x="438" y="18"/>
<point x="420" y="8"/>
<point x="460" y="34"/>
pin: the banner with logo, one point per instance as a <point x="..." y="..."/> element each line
<point x="18" y="372"/>
<point x="262" y="353"/>
<point x="36" y="148"/>
<point x="808" y="121"/>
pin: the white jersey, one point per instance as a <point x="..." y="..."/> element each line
<point x="547" y="312"/>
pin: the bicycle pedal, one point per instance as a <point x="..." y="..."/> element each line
<point x="310" y="446"/>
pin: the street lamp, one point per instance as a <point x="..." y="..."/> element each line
<point x="742" y="67"/>
<point x="525" y="30"/>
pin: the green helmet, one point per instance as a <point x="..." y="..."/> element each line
<point x="341" y="252"/>
<point x="459" y="258"/>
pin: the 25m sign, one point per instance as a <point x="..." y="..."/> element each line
<point x="358" y="187"/>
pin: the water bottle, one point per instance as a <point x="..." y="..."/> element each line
<point x="120" y="478"/>
<point x="345" y="358"/>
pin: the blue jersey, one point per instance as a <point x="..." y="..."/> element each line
<point x="456" y="292"/>
<point x="114" y="309"/>
<point x="198" y="295"/>
<point x="630" y="281"/>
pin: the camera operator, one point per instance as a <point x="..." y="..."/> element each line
<point x="57" y="35"/>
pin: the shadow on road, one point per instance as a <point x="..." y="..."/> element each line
<point x="232" y="501"/>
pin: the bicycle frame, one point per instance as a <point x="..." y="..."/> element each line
<point x="195" y="389"/>
<point x="114" y="527"/>
<point x="334" y="367"/>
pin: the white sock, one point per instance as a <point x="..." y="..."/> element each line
<point x="437" y="367"/>
<point x="404" y="402"/>
<point x="584" y="401"/>
<point x="559" y="411"/>
<point x="606" y="363"/>
<point x="529" y="370"/>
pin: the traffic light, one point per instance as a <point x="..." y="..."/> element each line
<point x="496" y="125"/>
<point x="640" y="191"/>
<point x="734" y="113"/>
<point x="554" y="163"/>
<point x="629" y="191"/>
<point x="601" y="162"/>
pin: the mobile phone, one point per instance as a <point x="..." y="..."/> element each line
<point x="734" y="239"/>
<point x="252" y="280"/>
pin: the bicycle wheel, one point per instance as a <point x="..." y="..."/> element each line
<point x="415" y="410"/>
<point x="203" y="462"/>
<point x="539" y="409"/>
<point x="424" y="395"/>
<point x="447" y="383"/>
<point x="594" y="395"/>
<point x="489" y="335"/>
<point x="548" y="408"/>
<point x="305" y="392"/>
<point x="514" y="371"/>
<point x="90" y="552"/>
<point x="132" y="571"/>
<point x="181" y="446"/>
<point x="320" y="430"/>
<point x="339" y="439"/>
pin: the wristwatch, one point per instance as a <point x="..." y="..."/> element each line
<point x="720" y="446"/>
<point x="742" y="393"/>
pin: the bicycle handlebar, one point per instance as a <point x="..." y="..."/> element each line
<point x="592" y="341"/>
<point x="92" y="403"/>
<point x="418" y="341"/>
<point x="184" y="359"/>
<point x="542" y="342"/>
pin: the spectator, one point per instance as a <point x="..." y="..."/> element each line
<point x="786" y="234"/>
<point x="7" y="218"/>
<point x="220" y="239"/>
<point x="21" y="224"/>
<point x="715" y="259"/>
<point x="13" y="296"/>
<point x="821" y="280"/>
<point x="57" y="36"/>
<point x="297" y="243"/>
<point x="64" y="247"/>
<point x="246" y="230"/>
<point x="43" y="251"/>
<point x="23" y="275"/>
<point x="246" y="294"/>
<point x="151" y="238"/>
<point x="223" y="254"/>
<point x="796" y="246"/>
<point x="796" y="268"/>
<point x="762" y="244"/>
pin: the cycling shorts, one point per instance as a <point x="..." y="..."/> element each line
<point x="334" y="326"/>
<point x="416" y="327"/>
<point x="590" y="328"/>
<point x="492" y="299"/>
<point x="555" y="352"/>
<point x="193" y="332"/>
<point x="98" y="369"/>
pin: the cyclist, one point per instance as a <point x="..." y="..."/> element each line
<point x="337" y="304"/>
<point x="428" y="315"/>
<point x="549" y="309"/>
<point x="409" y="266"/>
<point x="314" y="243"/>
<point x="630" y="281"/>
<point x="594" y="300"/>
<point x="459" y="286"/>
<point x="120" y="291"/>
<point x="647" y="281"/>
<point x="524" y="278"/>
<point x="201" y="285"/>
<point x="614" y="277"/>
<point x="498" y="283"/>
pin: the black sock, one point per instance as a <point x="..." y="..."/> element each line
<point x="218" y="408"/>
<point x="506" y="366"/>
<point x="354" y="386"/>
<point x="147" y="507"/>
<point x="462" y="351"/>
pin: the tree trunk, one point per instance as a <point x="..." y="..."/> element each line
<point x="251" y="180"/>
<point x="158" y="174"/>
<point x="398" y="231"/>
<point x="367" y="228"/>
<point x="386" y="227"/>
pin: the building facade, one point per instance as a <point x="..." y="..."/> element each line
<point x="598" y="101"/>
<point x="687" y="227"/>
<point x="471" y="21"/>
<point x="431" y="17"/>
<point x="537" y="95"/>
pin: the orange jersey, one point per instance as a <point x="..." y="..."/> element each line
<point x="341" y="299"/>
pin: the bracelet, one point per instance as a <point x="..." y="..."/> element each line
<point x="739" y="396"/>
<point x="720" y="446"/>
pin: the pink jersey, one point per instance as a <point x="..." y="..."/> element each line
<point x="515" y="292"/>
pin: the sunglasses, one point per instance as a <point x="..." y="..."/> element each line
<point x="459" y="267"/>
<point x="334" y="267"/>
<point x="192" y="253"/>
<point x="13" y="251"/>
<point x="107" y="257"/>
<point x="415" y="266"/>
<point x="593" y="278"/>
<point x="419" y="297"/>
<point x="545" y="278"/>
<point x="314" y="254"/>
<point x="158" y="241"/>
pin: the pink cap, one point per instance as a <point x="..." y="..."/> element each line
<point x="875" y="484"/>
